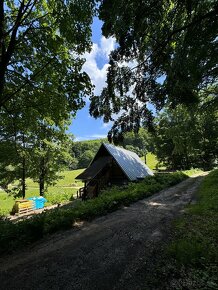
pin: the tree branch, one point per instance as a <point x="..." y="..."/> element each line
<point x="214" y="12"/>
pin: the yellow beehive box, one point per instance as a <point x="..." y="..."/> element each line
<point x="23" y="206"/>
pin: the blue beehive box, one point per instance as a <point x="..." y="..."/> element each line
<point x="39" y="202"/>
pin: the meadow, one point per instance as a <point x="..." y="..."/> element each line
<point x="64" y="190"/>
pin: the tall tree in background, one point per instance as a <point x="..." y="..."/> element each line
<point x="138" y="142"/>
<point x="50" y="150"/>
<point x="15" y="136"/>
<point x="186" y="138"/>
<point x="167" y="51"/>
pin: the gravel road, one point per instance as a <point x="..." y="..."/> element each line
<point x="112" y="252"/>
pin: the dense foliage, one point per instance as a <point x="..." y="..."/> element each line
<point x="83" y="152"/>
<point x="40" y="44"/>
<point x="186" y="138"/>
<point x="41" y="84"/>
<point x="167" y="51"/>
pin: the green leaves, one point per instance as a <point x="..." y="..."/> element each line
<point x="186" y="138"/>
<point x="41" y="83"/>
<point x="166" y="53"/>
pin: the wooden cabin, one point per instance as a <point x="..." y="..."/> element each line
<point x="111" y="166"/>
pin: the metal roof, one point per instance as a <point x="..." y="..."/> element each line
<point x="129" y="162"/>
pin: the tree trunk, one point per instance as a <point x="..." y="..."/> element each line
<point x="2" y="50"/>
<point x="23" y="181"/>
<point x="41" y="185"/>
<point x="42" y="177"/>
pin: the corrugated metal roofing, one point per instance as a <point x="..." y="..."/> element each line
<point x="129" y="161"/>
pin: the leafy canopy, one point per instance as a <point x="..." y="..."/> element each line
<point x="167" y="52"/>
<point x="40" y="47"/>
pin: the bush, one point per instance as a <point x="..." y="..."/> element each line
<point x="13" y="235"/>
<point x="58" y="197"/>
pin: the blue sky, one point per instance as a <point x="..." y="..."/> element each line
<point x="84" y="127"/>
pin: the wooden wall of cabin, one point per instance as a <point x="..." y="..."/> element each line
<point x="99" y="182"/>
<point x="111" y="174"/>
<point x="117" y="176"/>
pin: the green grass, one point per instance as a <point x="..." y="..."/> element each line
<point x="63" y="191"/>
<point x="6" y="203"/>
<point x="14" y="235"/>
<point x="67" y="179"/>
<point x="151" y="160"/>
<point x="195" y="247"/>
<point x="192" y="172"/>
<point x="60" y="195"/>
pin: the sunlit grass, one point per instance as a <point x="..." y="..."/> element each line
<point x="64" y="190"/>
<point x="151" y="160"/>
<point x="67" y="179"/>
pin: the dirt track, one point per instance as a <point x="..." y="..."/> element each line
<point x="112" y="252"/>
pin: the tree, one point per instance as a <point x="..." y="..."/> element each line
<point x="50" y="150"/>
<point x="138" y="142"/>
<point x="167" y="52"/>
<point x="85" y="159"/>
<point x="40" y="44"/>
<point x="8" y="164"/>
<point x="15" y="139"/>
<point x="82" y="152"/>
<point x="186" y="138"/>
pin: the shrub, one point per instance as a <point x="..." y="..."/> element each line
<point x="19" y="234"/>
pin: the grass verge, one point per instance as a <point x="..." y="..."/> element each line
<point x="191" y="259"/>
<point x="20" y="234"/>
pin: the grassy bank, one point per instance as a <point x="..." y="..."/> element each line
<point x="195" y="248"/>
<point x="191" y="259"/>
<point x="15" y="235"/>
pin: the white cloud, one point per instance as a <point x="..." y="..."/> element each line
<point x="107" y="125"/>
<point x="80" y="139"/>
<point x="96" y="74"/>
<point x="107" y="45"/>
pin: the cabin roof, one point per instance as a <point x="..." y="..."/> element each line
<point x="94" y="168"/>
<point x="130" y="163"/>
